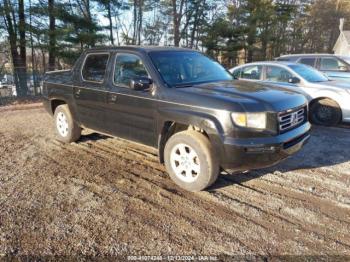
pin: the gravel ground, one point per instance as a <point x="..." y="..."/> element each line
<point x="105" y="196"/>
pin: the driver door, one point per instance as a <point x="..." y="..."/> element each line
<point x="280" y="76"/>
<point x="131" y="113"/>
<point x="251" y="73"/>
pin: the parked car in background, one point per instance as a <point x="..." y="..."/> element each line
<point x="7" y="87"/>
<point x="6" y="80"/>
<point x="329" y="100"/>
<point x="335" y="67"/>
<point x="181" y="103"/>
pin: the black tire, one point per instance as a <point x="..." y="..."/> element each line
<point x="205" y="156"/>
<point x="72" y="131"/>
<point x="325" y="112"/>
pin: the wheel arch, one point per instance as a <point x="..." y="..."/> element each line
<point x="325" y="94"/>
<point x="315" y="100"/>
<point x="55" y="102"/>
<point x="199" y="122"/>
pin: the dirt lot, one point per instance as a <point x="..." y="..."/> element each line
<point x="104" y="196"/>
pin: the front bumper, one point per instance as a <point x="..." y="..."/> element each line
<point x="255" y="153"/>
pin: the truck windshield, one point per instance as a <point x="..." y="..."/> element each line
<point x="308" y="73"/>
<point x="183" y="68"/>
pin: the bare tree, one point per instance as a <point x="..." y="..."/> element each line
<point x="14" y="29"/>
<point x="177" y="13"/>
<point x="52" y="35"/>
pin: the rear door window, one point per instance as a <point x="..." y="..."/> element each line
<point x="332" y="64"/>
<point x="251" y="72"/>
<point x="308" y="61"/>
<point x="94" y="68"/>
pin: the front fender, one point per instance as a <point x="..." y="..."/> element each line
<point x="327" y="94"/>
<point x="337" y="97"/>
<point x="341" y="99"/>
<point x="208" y="122"/>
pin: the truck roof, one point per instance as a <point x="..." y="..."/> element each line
<point x="287" y="63"/>
<point x="310" y="55"/>
<point x="138" y="48"/>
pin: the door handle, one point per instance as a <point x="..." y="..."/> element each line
<point x="113" y="98"/>
<point x="77" y="91"/>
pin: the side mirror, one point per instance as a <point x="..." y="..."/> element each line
<point x="343" y="68"/>
<point x="140" y="83"/>
<point x="293" y="80"/>
<point x="234" y="73"/>
<point x="235" y="77"/>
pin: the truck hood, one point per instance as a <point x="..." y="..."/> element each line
<point x="252" y="96"/>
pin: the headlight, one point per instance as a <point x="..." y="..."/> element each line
<point x="250" y="120"/>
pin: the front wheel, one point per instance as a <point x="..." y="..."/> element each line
<point x="191" y="161"/>
<point x="325" y="112"/>
<point x="66" y="128"/>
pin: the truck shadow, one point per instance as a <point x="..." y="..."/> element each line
<point x="92" y="137"/>
<point x="328" y="146"/>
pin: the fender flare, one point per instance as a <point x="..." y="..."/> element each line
<point x="204" y="121"/>
<point x="327" y="95"/>
<point x="68" y="101"/>
<point x="324" y="94"/>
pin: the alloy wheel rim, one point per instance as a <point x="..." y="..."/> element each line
<point x="324" y="113"/>
<point x="185" y="162"/>
<point x="62" y="124"/>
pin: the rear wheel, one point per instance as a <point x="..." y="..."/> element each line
<point x="191" y="161"/>
<point x="325" y="112"/>
<point x="66" y="128"/>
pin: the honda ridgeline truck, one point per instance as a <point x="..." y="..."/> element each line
<point x="183" y="104"/>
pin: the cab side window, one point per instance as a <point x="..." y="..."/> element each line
<point x="277" y="74"/>
<point x="308" y="61"/>
<point x="333" y="64"/>
<point x="94" y="69"/>
<point x="128" y="67"/>
<point x="251" y="72"/>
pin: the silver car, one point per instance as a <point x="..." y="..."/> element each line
<point x="334" y="66"/>
<point x="329" y="100"/>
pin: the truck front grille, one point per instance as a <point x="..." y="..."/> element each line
<point x="288" y="120"/>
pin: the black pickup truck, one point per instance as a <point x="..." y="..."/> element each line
<point x="183" y="104"/>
